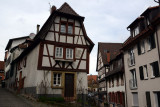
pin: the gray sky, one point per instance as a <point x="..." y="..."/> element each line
<point x="105" y="20"/>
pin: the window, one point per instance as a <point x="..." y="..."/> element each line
<point x="69" y="53"/>
<point x="154" y="69"/>
<point x="57" y="79"/>
<point x="111" y="67"/>
<point x="70" y="29"/>
<point x="143" y="72"/>
<point x="122" y="80"/>
<point x="63" y="28"/>
<point x="133" y="81"/>
<point x="148" y="99"/>
<point x="112" y="82"/>
<point x="151" y="42"/>
<point x="135" y="31"/>
<point x="131" y="57"/>
<point x="117" y="80"/>
<point x="59" y="52"/>
<point x="147" y="21"/>
<point x="157" y="99"/>
<point x="141" y="47"/>
<point x="66" y="28"/>
<point x="109" y="83"/>
<point x="119" y="62"/>
<point x="135" y="99"/>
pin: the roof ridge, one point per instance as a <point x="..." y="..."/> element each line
<point x="66" y="5"/>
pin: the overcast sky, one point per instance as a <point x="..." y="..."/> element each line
<point x="105" y="20"/>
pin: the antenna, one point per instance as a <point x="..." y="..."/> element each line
<point x="50" y="4"/>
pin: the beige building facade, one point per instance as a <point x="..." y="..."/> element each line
<point x="141" y="60"/>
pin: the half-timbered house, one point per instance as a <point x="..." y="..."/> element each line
<point x="57" y="61"/>
<point x="106" y="53"/>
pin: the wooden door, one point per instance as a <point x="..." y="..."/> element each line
<point x="69" y="85"/>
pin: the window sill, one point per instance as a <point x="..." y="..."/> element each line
<point x="131" y="65"/>
<point x="66" y="34"/>
<point x="146" y="78"/>
<point x="57" y="87"/>
<point x="64" y="60"/>
<point x="153" y="77"/>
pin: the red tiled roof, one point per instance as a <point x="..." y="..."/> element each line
<point x="2" y="65"/>
<point x="113" y="48"/>
<point x="94" y="77"/>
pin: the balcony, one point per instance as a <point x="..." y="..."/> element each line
<point x="133" y="84"/>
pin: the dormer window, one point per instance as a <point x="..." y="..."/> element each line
<point x="135" y="31"/>
<point x="147" y="21"/>
<point x="66" y="27"/>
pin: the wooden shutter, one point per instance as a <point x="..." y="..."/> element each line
<point x="139" y="48"/>
<point x="148" y="99"/>
<point x="158" y="97"/>
<point x="156" y="69"/>
<point x="153" y="45"/>
<point x="141" y="72"/>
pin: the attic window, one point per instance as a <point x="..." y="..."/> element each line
<point x="70" y="29"/>
<point x="63" y="28"/>
<point x="66" y="27"/>
<point x="135" y="31"/>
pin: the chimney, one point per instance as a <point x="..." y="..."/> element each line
<point x="53" y="9"/>
<point x="38" y="28"/>
<point x="108" y="56"/>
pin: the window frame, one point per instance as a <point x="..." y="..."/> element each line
<point x="135" y="31"/>
<point x="69" y="53"/>
<point x="153" y="69"/>
<point x="67" y="24"/>
<point x="57" y="79"/>
<point x="131" y="57"/>
<point x="64" y="53"/>
<point x="58" y="57"/>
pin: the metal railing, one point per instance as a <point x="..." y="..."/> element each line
<point x="131" y="61"/>
<point x="133" y="84"/>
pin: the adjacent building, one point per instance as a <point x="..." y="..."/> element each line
<point x="106" y="53"/>
<point x="92" y="83"/>
<point x="2" y="76"/>
<point x="56" y="62"/>
<point x="142" y="60"/>
<point x="116" y="80"/>
<point x="13" y="49"/>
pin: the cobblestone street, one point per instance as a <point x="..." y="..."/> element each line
<point x="8" y="99"/>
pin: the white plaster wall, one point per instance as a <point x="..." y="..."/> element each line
<point x="78" y="52"/>
<point x="116" y="88"/>
<point x="83" y="85"/>
<point x="50" y="36"/>
<point x="82" y="65"/>
<point x="69" y="39"/>
<point x="17" y="42"/>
